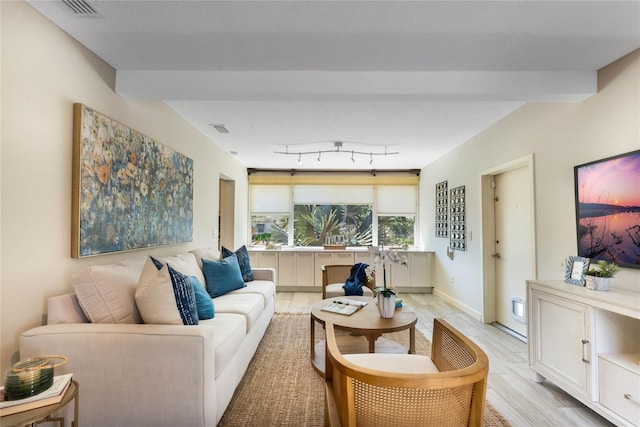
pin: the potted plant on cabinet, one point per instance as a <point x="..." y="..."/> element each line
<point x="600" y="279"/>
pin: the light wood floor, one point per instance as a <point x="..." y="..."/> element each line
<point x="521" y="401"/>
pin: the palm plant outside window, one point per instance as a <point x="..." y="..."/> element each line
<point x="317" y="225"/>
<point x="353" y="214"/>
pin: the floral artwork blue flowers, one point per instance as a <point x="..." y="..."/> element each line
<point x="130" y="192"/>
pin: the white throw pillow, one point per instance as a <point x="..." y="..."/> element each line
<point x="155" y="298"/>
<point x="106" y="293"/>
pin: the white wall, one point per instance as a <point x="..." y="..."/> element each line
<point x="560" y="136"/>
<point x="44" y="71"/>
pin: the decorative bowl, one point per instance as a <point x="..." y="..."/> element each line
<point x="30" y="377"/>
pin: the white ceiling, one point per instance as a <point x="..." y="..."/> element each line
<point x="418" y="77"/>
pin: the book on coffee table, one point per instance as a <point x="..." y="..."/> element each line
<point x="53" y="394"/>
<point x="344" y="306"/>
<point x="349" y="301"/>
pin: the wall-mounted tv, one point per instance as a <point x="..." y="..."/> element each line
<point x="608" y="209"/>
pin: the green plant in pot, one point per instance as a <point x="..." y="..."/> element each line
<point x="265" y="238"/>
<point x="600" y="279"/>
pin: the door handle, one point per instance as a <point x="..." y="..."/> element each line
<point x="584" y="351"/>
<point x="496" y="255"/>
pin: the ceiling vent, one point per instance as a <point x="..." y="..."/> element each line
<point x="82" y="8"/>
<point x="220" y="128"/>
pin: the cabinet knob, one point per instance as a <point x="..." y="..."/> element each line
<point x="627" y="396"/>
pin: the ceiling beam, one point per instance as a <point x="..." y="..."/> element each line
<point x="526" y="86"/>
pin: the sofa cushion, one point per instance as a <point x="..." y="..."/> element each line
<point x="251" y="306"/>
<point x="243" y="261"/>
<point x="154" y="296"/>
<point x="106" y="293"/>
<point x="400" y="363"/>
<point x="222" y="276"/>
<point x="185" y="263"/>
<point x="64" y="309"/>
<point x="204" y="303"/>
<point x="266" y="288"/>
<point x="206" y="253"/>
<point x="229" y="334"/>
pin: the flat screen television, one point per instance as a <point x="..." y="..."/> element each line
<point x="608" y="209"/>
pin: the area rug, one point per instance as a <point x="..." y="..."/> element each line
<point x="280" y="387"/>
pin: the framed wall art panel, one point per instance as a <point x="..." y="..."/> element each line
<point x="129" y="191"/>
<point x="442" y="209"/>
<point x="458" y="234"/>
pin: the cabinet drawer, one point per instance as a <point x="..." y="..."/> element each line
<point x="619" y="390"/>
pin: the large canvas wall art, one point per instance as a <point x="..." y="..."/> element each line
<point x="608" y="209"/>
<point x="129" y="191"/>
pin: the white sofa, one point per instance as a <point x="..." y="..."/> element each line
<point x="139" y="374"/>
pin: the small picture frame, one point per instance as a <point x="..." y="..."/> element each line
<point x="576" y="272"/>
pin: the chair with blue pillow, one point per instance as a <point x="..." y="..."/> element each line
<point x="334" y="277"/>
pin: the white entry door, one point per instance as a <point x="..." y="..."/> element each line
<point x="513" y="246"/>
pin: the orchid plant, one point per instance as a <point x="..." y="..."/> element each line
<point x="380" y="258"/>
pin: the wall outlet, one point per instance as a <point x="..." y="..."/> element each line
<point x="452" y="279"/>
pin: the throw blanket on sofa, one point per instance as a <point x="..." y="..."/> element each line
<point x="357" y="279"/>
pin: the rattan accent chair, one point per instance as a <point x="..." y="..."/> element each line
<point x="334" y="276"/>
<point x="407" y="389"/>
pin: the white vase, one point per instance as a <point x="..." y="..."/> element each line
<point x="386" y="305"/>
<point x="598" y="283"/>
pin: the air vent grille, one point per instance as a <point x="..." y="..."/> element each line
<point x="82" y="8"/>
<point x="220" y="128"/>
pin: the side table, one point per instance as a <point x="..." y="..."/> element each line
<point x="43" y="414"/>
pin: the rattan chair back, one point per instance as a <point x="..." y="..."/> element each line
<point x="454" y="396"/>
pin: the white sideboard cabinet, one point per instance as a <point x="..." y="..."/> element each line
<point x="588" y="343"/>
<point x="299" y="269"/>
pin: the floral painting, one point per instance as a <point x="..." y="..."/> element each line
<point x="130" y="192"/>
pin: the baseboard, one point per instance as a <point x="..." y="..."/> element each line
<point x="457" y="304"/>
<point x="420" y="290"/>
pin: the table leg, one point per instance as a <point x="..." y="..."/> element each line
<point x="312" y="334"/>
<point x="412" y="340"/>
<point x="76" y="403"/>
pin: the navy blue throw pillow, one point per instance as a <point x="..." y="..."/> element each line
<point x="243" y="261"/>
<point x="358" y="278"/>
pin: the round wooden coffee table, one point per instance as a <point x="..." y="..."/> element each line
<point x="366" y="327"/>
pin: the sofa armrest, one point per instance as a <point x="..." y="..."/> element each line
<point x="263" y="273"/>
<point x="154" y="374"/>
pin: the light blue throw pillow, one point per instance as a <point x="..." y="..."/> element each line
<point x="222" y="276"/>
<point x="204" y="303"/>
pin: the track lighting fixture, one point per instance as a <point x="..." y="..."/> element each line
<point x="337" y="148"/>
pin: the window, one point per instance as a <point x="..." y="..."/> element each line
<point x="318" y="209"/>
<point x="273" y="228"/>
<point x="317" y="225"/>
<point x="396" y="230"/>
